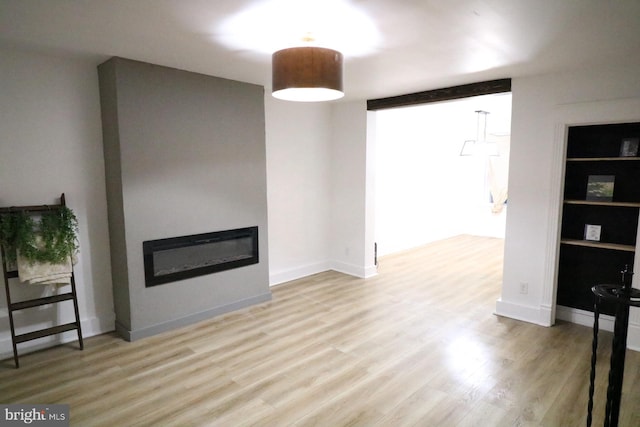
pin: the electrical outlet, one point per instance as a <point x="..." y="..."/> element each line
<point x="524" y="288"/>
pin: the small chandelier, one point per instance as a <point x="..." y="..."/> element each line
<point x="307" y="74"/>
<point x="480" y="146"/>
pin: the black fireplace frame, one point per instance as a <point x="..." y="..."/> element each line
<point x="151" y="246"/>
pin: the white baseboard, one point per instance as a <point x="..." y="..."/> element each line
<point x="370" y="271"/>
<point x="605" y="323"/>
<point x="583" y="317"/>
<point x="363" y="272"/>
<point x="96" y="325"/>
<point x="540" y="315"/>
<point x="633" y="336"/>
<point x="284" y="276"/>
<point x="536" y="315"/>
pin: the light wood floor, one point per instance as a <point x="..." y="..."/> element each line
<point x="418" y="345"/>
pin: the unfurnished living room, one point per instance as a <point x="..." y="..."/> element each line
<point x="239" y="212"/>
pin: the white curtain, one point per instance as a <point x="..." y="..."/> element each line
<point x="498" y="174"/>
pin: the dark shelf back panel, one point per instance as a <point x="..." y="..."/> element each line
<point x="626" y="186"/>
<point x="582" y="268"/>
<point x="619" y="225"/>
<point x="599" y="140"/>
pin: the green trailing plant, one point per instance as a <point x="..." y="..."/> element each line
<point x="51" y="239"/>
<point x="13" y="225"/>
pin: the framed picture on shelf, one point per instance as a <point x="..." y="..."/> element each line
<point x="600" y="188"/>
<point x="592" y="232"/>
<point x="629" y="147"/>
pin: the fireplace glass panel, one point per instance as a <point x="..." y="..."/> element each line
<point x="168" y="260"/>
<point x="176" y="260"/>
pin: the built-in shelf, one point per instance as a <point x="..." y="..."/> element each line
<point x="601" y="159"/>
<point x="600" y="245"/>
<point x="599" y="203"/>
<point x="592" y="151"/>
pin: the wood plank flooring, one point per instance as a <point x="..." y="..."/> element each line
<point x="418" y="345"/>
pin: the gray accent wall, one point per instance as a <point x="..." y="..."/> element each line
<point x="184" y="154"/>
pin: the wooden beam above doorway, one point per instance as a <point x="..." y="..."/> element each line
<point x="438" y="95"/>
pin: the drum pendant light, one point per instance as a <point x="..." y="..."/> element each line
<point x="307" y="74"/>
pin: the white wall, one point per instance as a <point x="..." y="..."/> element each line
<point x="540" y="105"/>
<point x="425" y="190"/>
<point x="319" y="198"/>
<point x="50" y="143"/>
<point x="352" y="228"/>
<point x="298" y="188"/>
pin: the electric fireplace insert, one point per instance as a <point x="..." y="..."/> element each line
<point x="179" y="258"/>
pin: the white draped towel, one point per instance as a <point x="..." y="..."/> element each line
<point x="44" y="273"/>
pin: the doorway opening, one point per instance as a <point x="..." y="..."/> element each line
<point x="441" y="170"/>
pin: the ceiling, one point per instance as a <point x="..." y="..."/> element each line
<point x="415" y="45"/>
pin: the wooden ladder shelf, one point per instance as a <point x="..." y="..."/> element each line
<point x="37" y="302"/>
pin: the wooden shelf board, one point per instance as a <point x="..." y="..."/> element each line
<point x="601" y="159"/>
<point x="600" y="245"/>
<point x="596" y="203"/>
